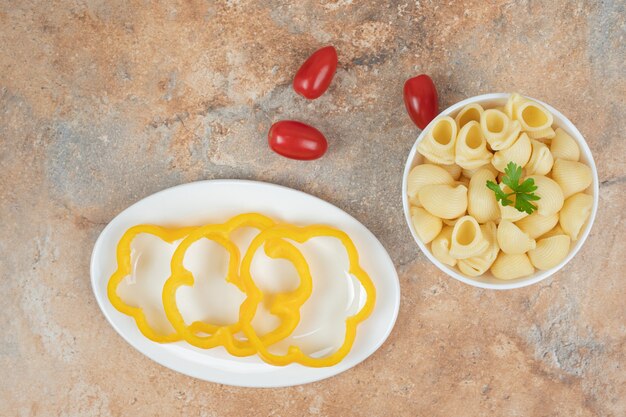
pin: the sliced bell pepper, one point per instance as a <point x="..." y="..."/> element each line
<point x="273" y="237"/>
<point x="294" y="353"/>
<point x="124" y="268"/>
<point x="285" y="305"/>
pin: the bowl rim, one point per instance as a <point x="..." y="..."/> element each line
<point x="538" y="276"/>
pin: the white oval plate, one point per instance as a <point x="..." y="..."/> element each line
<point x="214" y="202"/>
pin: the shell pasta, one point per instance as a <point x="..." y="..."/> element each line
<point x="481" y="202"/>
<point x="512" y="240"/>
<point x="467" y="238"/>
<point x="441" y="247"/>
<point x="563" y="146"/>
<point x="535" y="119"/>
<point x="438" y="146"/>
<point x="530" y="226"/>
<point x="444" y="201"/>
<point x="541" y="159"/>
<point x="575" y="213"/>
<point x="471" y="147"/>
<point x="550" y="194"/>
<point x="469" y="173"/>
<point x="512" y="266"/>
<point x="480" y="263"/>
<point x="426" y="174"/>
<point x="454" y="170"/>
<point x="426" y="225"/>
<point x="572" y="177"/>
<point x="549" y="251"/>
<point x="499" y="130"/>
<point x="518" y="152"/>
<point x="471" y="112"/>
<point x="536" y="225"/>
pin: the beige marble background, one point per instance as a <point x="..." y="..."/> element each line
<point x="105" y="102"/>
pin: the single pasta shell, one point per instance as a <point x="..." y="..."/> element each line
<point x="541" y="159"/>
<point x="519" y="153"/>
<point x="425" y="174"/>
<point x="535" y="119"/>
<point x="555" y="231"/>
<point x="470" y="269"/>
<point x="514" y="131"/>
<point x="512" y="240"/>
<point x="467" y="238"/>
<point x="499" y="130"/>
<point x="575" y="213"/>
<point x="573" y="177"/>
<point x="510" y="109"/>
<point x="550" y="195"/>
<point x="438" y="144"/>
<point x="510" y="213"/>
<point x="426" y="225"/>
<point x="444" y="201"/>
<point x="536" y="225"/>
<point x="471" y="147"/>
<point x="471" y="112"/>
<point x="563" y="146"/>
<point x="469" y="173"/>
<point x="508" y="266"/>
<point x="479" y="264"/>
<point x="440" y="246"/>
<point x="546" y="134"/>
<point x="550" y="251"/>
<point x="481" y="201"/>
<point x="494" y="124"/>
<point x="454" y="170"/>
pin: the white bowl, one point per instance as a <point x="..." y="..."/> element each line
<point x="487" y="280"/>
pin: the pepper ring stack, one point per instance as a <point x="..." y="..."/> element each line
<point x="286" y="306"/>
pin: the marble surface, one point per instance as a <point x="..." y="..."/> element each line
<point x="105" y="102"/>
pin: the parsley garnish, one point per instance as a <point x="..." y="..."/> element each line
<point x="523" y="192"/>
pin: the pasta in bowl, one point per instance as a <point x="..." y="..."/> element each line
<point x="464" y="205"/>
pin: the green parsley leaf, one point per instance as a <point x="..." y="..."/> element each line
<point x="500" y="195"/>
<point x="528" y="186"/>
<point x="524" y="192"/>
<point x="512" y="173"/>
<point x="523" y="202"/>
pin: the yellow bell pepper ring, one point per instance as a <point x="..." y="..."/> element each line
<point x="218" y="335"/>
<point x="124" y="268"/>
<point x="284" y="305"/>
<point x="294" y="353"/>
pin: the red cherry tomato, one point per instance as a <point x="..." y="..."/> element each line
<point x="420" y="99"/>
<point x="296" y="140"/>
<point x="315" y="75"/>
